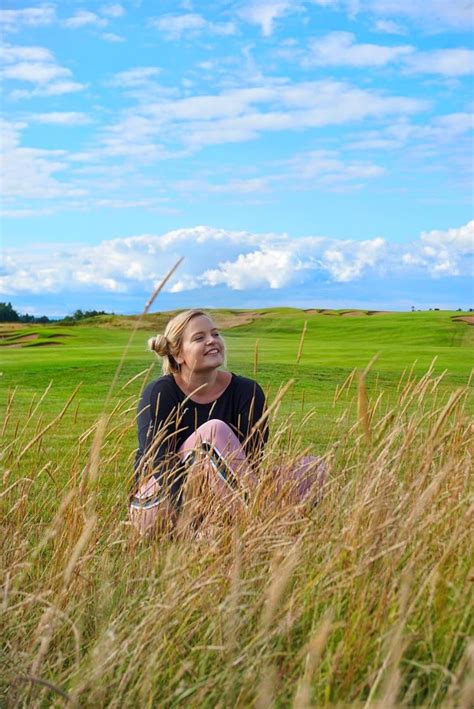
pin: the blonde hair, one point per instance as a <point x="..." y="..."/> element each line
<point x="168" y="345"/>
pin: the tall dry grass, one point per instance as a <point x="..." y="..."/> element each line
<point x="365" y="598"/>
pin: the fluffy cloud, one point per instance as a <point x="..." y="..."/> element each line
<point x="238" y="115"/>
<point x="190" y="24"/>
<point x="137" y="76"/>
<point x="29" y="173"/>
<point x="37" y="66"/>
<point x="264" y="12"/>
<point x="61" y="118"/>
<point x="447" y="62"/>
<point x="112" y="10"/>
<point x="341" y="49"/>
<point x="444" y="253"/>
<point x="238" y="261"/>
<point x="443" y="129"/>
<point x="435" y="13"/>
<point x="83" y="18"/>
<point x="389" y="27"/>
<point x="13" y="20"/>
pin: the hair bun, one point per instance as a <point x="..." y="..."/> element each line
<point x="159" y="344"/>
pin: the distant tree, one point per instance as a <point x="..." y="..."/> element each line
<point x="436" y="308"/>
<point x="7" y="313"/>
<point x="82" y="315"/>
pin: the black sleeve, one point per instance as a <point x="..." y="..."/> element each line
<point x="252" y="406"/>
<point x="156" y="429"/>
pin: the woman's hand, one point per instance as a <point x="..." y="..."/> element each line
<point x="151" y="510"/>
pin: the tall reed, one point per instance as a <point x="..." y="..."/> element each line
<point x="365" y="598"/>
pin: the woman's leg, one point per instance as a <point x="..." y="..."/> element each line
<point x="304" y="480"/>
<point x="218" y="470"/>
<point x="151" y="509"/>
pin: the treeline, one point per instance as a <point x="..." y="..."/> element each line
<point x="83" y="315"/>
<point x="9" y="314"/>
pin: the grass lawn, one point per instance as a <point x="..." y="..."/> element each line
<point x="266" y="348"/>
<point x="364" y="599"/>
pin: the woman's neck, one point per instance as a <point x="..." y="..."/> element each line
<point x="200" y="382"/>
<point x="204" y="387"/>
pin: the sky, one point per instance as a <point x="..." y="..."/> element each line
<point x="305" y="153"/>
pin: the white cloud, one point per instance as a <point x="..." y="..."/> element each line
<point x="445" y="253"/>
<point x="135" y="77"/>
<point x="111" y="37"/>
<point x="348" y="260"/>
<point x="443" y="129"/>
<point x="112" y="10"/>
<point x="30" y="173"/>
<point x="63" y="118"/>
<point x="447" y="62"/>
<point x="13" y="20"/>
<point x="35" y="72"/>
<point x="341" y="49"/>
<point x="265" y="267"/>
<point x="38" y="66"/>
<point x="236" y="260"/>
<point x="84" y="18"/>
<point x="327" y="167"/>
<point x="230" y="259"/>
<point x="439" y="14"/>
<point x="389" y="27"/>
<point x="243" y="114"/>
<point x="264" y="12"/>
<point x="176" y="26"/>
<point x="16" y="53"/>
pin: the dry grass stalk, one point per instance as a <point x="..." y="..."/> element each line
<point x="363" y="408"/>
<point x="138" y="321"/>
<point x="52" y="423"/>
<point x="301" y="343"/>
<point x="255" y="359"/>
<point x="81" y="544"/>
<point x="280" y="578"/>
<point x="136" y="622"/>
<point x="315" y="649"/>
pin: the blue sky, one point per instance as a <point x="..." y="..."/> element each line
<point x="314" y="153"/>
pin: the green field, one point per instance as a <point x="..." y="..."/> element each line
<point x="266" y="348"/>
<point x="365" y="599"/>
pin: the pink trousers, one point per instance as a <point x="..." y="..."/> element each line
<point x="217" y="453"/>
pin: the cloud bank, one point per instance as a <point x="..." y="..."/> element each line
<point x="235" y="260"/>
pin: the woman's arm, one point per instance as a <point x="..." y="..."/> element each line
<point x="153" y="502"/>
<point x="252" y="407"/>
<point x="157" y="426"/>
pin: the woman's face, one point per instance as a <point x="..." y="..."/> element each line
<point x="202" y="347"/>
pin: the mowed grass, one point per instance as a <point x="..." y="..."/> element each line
<point x="365" y="598"/>
<point x="266" y="348"/>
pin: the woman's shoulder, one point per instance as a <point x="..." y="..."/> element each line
<point x="245" y="384"/>
<point x="163" y="385"/>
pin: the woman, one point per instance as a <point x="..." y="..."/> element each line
<point x="196" y="417"/>
<point x="201" y="431"/>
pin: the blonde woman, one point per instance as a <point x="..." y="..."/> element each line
<point x="201" y="432"/>
<point x="195" y="417"/>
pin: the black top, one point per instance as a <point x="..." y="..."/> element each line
<point x="166" y="417"/>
